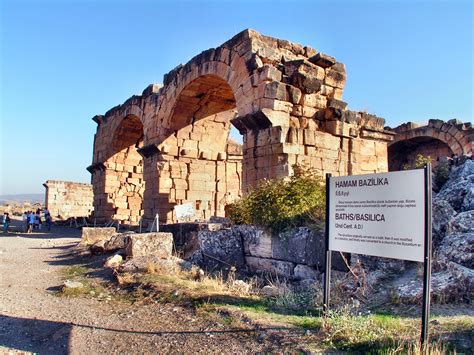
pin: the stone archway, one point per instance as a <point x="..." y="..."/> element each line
<point x="117" y="172"/>
<point x="438" y="139"/>
<point x="197" y="161"/>
<point x="284" y="99"/>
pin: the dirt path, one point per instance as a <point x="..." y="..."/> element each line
<point x="33" y="319"/>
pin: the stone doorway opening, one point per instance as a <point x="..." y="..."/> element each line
<point x="123" y="175"/>
<point x="201" y="164"/>
<point x="403" y="153"/>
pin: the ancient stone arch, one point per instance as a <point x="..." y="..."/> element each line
<point x="437" y="139"/>
<point x="285" y="99"/>
<point x="117" y="171"/>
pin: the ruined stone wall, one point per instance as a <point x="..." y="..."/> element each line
<point x="284" y="98"/>
<point x="66" y="199"/>
<point x="437" y="140"/>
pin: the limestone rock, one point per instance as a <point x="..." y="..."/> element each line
<point x="91" y="235"/>
<point x="459" y="248"/>
<point x="272" y="291"/>
<point x="442" y="214"/>
<point x="277" y="267"/>
<point x="241" y="286"/>
<point x="459" y="186"/>
<point x="453" y="284"/>
<point x="462" y="223"/>
<point x="72" y="284"/>
<point x="154" y="264"/>
<point x="219" y="250"/>
<point x="149" y="244"/>
<point x="303" y="272"/>
<point x="117" y="242"/>
<point x="113" y="261"/>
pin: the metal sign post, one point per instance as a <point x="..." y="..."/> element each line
<point x="427" y="262"/>
<point x="327" y="254"/>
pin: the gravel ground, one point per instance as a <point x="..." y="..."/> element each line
<point x="34" y="319"/>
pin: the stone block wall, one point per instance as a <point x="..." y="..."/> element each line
<point x="66" y="199"/>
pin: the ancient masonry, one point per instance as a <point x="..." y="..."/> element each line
<point x="66" y="199"/>
<point x="170" y="145"/>
<point x="438" y="140"/>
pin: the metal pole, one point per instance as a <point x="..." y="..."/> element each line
<point x="427" y="258"/>
<point x="157" y="222"/>
<point x="327" y="273"/>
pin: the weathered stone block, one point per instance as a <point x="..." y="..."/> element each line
<point x="91" y="235"/>
<point x="150" y="244"/>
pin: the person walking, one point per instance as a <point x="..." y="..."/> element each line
<point x="31" y="221"/>
<point x="6" y="222"/>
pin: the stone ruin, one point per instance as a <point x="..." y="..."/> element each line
<point x="170" y="145"/>
<point x="65" y="199"/>
<point x="437" y="139"/>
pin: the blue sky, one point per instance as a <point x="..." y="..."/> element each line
<point x="62" y="62"/>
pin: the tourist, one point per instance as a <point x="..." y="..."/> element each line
<point x="31" y="221"/>
<point x="6" y="222"/>
<point x="38" y="219"/>
<point x="47" y="219"/>
<point x="24" y="218"/>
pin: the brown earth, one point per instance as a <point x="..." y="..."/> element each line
<point x="33" y="318"/>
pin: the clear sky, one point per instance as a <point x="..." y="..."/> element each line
<point x="62" y="62"/>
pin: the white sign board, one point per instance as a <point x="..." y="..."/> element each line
<point x="184" y="211"/>
<point x="378" y="214"/>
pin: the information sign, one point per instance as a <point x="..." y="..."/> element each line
<point x="378" y="214"/>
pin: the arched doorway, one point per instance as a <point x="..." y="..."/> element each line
<point x="198" y="163"/>
<point x="122" y="186"/>
<point x="403" y="153"/>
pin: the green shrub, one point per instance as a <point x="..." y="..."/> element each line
<point x="419" y="162"/>
<point x="284" y="203"/>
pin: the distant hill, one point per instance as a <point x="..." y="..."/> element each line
<point x="22" y="198"/>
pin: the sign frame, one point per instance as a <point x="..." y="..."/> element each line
<point x="426" y="257"/>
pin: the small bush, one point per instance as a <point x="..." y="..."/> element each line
<point x="284" y="203"/>
<point x="419" y="162"/>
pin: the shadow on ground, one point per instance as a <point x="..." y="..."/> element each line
<point x="34" y="335"/>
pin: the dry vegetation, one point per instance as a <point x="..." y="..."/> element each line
<point x="239" y="304"/>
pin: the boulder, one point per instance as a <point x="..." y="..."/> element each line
<point x="462" y="223"/>
<point x="117" y="242"/>
<point x="458" y="248"/>
<point x="69" y="284"/>
<point x="280" y="268"/>
<point x="91" y="235"/>
<point x="157" y="244"/>
<point x="442" y="214"/>
<point x="459" y="186"/>
<point x="272" y="291"/>
<point x="304" y="272"/>
<point x="113" y="261"/>
<point x="453" y="284"/>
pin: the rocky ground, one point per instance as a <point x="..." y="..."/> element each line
<point x="33" y="318"/>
